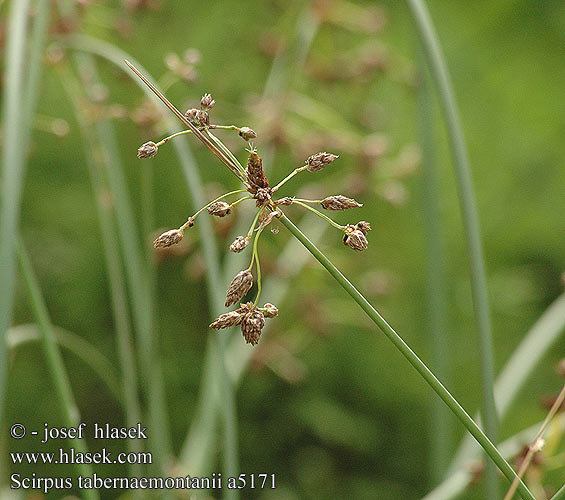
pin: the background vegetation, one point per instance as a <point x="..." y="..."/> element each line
<point x="326" y="405"/>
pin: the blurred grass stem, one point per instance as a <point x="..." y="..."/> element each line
<point x="441" y="78"/>
<point x="54" y="362"/>
<point x="412" y="358"/>
<point x="436" y="282"/>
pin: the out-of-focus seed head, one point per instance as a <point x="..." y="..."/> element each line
<point x="270" y="310"/>
<point x="227" y="320"/>
<point x="317" y="162"/>
<point x="168" y="238"/>
<point x="192" y="115"/>
<point x="202" y="118"/>
<point x="247" y="134"/>
<point x="207" y="103"/>
<point x="355" y="238"/>
<point x="251" y="325"/>
<point x="255" y="172"/>
<point x="287" y="200"/>
<point x="363" y="226"/>
<point x="147" y="150"/>
<point x="219" y="209"/>
<point x="560" y="368"/>
<point x="239" y="286"/>
<point x="339" y="202"/>
<point x="239" y="244"/>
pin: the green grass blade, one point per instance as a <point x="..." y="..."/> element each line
<point x="54" y="361"/>
<point x="110" y="243"/>
<point x="440" y="75"/>
<point x="13" y="160"/>
<point x="81" y="348"/>
<point x="436" y="282"/>
<point x="412" y="358"/>
<point x="560" y="495"/>
<point x="215" y="286"/>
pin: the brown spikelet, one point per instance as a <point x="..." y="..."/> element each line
<point x="355" y="238"/>
<point x="147" y="150"/>
<point x="239" y="286"/>
<point x="168" y="238"/>
<point x="270" y="310"/>
<point x="251" y="325"/>
<point x="247" y="134"/>
<point x="207" y="103"/>
<point x="317" y="162"/>
<point x="339" y="202"/>
<point x="219" y="209"/>
<point x="227" y="320"/>
<point x="255" y="172"/>
<point x="239" y="244"/>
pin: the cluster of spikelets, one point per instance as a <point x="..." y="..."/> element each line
<point x="249" y="316"/>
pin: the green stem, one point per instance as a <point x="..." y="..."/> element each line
<point x="253" y="224"/>
<point x="54" y="360"/>
<point x="289" y="176"/>
<point x="256" y="255"/>
<point x="226" y="151"/>
<point x="440" y="75"/>
<point x="240" y="200"/>
<point x="320" y="214"/>
<point x="412" y="358"/>
<point x="167" y="139"/>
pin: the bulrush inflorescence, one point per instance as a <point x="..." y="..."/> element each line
<point x="249" y="316"/>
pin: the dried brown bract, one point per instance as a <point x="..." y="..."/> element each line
<point x="168" y="238"/>
<point x="147" y="150"/>
<point x="363" y="226"/>
<point x="227" y="320"/>
<point x="339" y="202"/>
<point x="239" y="286"/>
<point x="287" y="200"/>
<point x="317" y="162"/>
<point x="219" y="209"/>
<point x="239" y="244"/>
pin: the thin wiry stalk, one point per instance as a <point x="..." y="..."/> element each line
<point x="440" y="75"/>
<point x="54" y="361"/>
<point x="198" y="446"/>
<point x="215" y="351"/>
<point x="436" y="282"/>
<point x="13" y="159"/>
<point x="536" y="444"/>
<point x="110" y="243"/>
<point x="455" y="484"/>
<point x="536" y="343"/>
<point x="81" y="348"/>
<point x="412" y="358"/>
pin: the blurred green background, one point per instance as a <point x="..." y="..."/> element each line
<point x="328" y="404"/>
